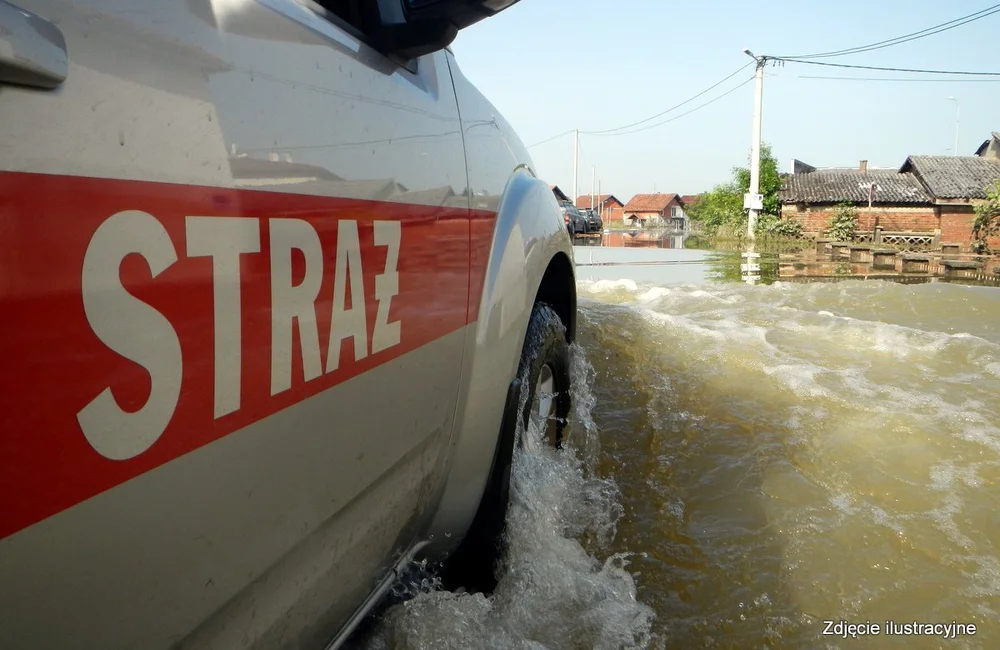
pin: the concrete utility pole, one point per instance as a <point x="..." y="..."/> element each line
<point x="576" y="164"/>
<point x="754" y="201"/>
<point x="593" y="184"/>
<point x="957" y="115"/>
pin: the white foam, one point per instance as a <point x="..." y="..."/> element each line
<point x="552" y="593"/>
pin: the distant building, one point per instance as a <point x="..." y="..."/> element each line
<point x="608" y="205"/>
<point x="929" y="195"/>
<point x="990" y="148"/>
<point x="656" y="210"/>
<point x="688" y="201"/>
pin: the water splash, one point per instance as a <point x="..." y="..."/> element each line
<point x="553" y="594"/>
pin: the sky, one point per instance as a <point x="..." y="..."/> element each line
<point x="551" y="66"/>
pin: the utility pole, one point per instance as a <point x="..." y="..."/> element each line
<point x="602" y="203"/>
<point x="593" y="184"/>
<point x="753" y="201"/>
<point x="957" y="115"/>
<point x="576" y="164"/>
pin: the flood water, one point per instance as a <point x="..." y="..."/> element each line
<point x="748" y="460"/>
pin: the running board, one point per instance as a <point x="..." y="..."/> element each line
<point x="376" y="596"/>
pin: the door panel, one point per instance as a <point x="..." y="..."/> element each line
<point x="187" y="223"/>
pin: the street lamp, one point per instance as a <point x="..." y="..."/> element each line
<point x="957" y="115"/>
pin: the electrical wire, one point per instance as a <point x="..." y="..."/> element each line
<point x="929" y="31"/>
<point x="887" y="69"/>
<point x="900" y="79"/>
<point x="677" y="117"/>
<point x="549" y="139"/>
<point x="672" y="108"/>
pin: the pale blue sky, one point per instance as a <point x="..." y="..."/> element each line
<point x="554" y="65"/>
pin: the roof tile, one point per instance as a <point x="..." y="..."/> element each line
<point x="954" y="177"/>
<point x="851" y="186"/>
<point x="649" y="202"/>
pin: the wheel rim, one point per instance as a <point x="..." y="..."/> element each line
<point x="542" y="424"/>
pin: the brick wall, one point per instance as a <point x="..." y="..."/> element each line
<point x="611" y="212"/>
<point x="814" y="219"/>
<point x="956" y="226"/>
<point x="954" y="222"/>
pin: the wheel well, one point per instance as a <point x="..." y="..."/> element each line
<point x="558" y="290"/>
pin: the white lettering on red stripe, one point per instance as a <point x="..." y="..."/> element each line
<point x="291" y="304"/>
<point x="386" y="334"/>
<point x="127" y="325"/>
<point x="348" y="323"/>
<point x="224" y="239"/>
<point x="144" y="335"/>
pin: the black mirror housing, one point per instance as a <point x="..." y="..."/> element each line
<point x="412" y="28"/>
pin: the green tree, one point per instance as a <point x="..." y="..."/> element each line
<point x="770" y="180"/>
<point x="723" y="206"/>
<point x="987" y="222"/>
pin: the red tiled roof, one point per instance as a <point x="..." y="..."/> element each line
<point x="690" y="199"/>
<point x="650" y="202"/>
<point x="600" y="200"/>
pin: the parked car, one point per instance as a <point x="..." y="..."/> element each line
<point x="259" y="350"/>
<point x="575" y="222"/>
<point x="593" y="220"/>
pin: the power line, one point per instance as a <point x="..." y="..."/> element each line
<point x="900" y="79"/>
<point x="672" y="108"/>
<point x="621" y="129"/>
<point x="677" y="117"/>
<point x="929" y="31"/>
<point x="872" y="67"/>
<point x="549" y="139"/>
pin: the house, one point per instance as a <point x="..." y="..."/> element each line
<point x="990" y="148"/>
<point x="560" y="195"/>
<point x="956" y="184"/>
<point x="899" y="201"/>
<point x="933" y="196"/>
<point x="608" y="205"/>
<point x="656" y="210"/>
<point x="689" y="200"/>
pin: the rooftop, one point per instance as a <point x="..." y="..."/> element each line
<point x="954" y="177"/>
<point x="649" y="202"/>
<point x="599" y="200"/>
<point x="851" y="186"/>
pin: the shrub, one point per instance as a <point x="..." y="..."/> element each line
<point x="987" y="223"/>
<point x="844" y="223"/>
<point x="774" y="226"/>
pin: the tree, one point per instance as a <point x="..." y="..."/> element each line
<point x="770" y="181"/>
<point x="723" y="206"/>
<point x="987" y="222"/>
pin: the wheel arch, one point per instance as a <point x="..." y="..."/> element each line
<point x="558" y="290"/>
<point x="530" y="260"/>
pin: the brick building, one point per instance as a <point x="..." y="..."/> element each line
<point x="927" y="195"/>
<point x="956" y="184"/>
<point x="655" y="209"/>
<point x="607" y="205"/>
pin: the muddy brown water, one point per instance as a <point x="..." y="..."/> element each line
<point x="750" y="466"/>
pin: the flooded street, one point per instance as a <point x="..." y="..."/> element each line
<point x="748" y="462"/>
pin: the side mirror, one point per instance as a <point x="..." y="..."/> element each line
<point x="411" y="28"/>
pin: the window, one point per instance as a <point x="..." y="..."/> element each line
<point x="349" y="11"/>
<point x="673" y="211"/>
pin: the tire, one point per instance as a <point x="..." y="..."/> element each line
<point x="474" y="564"/>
